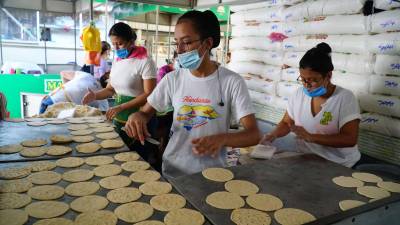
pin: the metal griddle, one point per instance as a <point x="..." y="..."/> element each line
<point x="71" y="214"/>
<point x="303" y="182"/>
<point x="14" y="133"/>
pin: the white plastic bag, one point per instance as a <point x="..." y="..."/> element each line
<point x="385" y="21"/>
<point x="286" y="89"/>
<point x="386" y="4"/>
<point x="387" y="64"/>
<point x="261" y="85"/>
<point x="357" y="83"/>
<point x="353" y="63"/>
<point x="290" y="74"/>
<point x="339" y="24"/>
<point x="293" y="58"/>
<point x="381" y="124"/>
<point x="387" y="43"/>
<point x="262" y="98"/>
<point x="389" y="85"/>
<point x="259" y="43"/>
<point x="281" y="102"/>
<point x="382" y="104"/>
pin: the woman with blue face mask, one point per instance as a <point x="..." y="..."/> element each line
<point x="204" y="97"/>
<point x="132" y="77"/>
<point x="323" y="116"/>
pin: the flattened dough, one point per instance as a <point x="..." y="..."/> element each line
<point x="58" y="150"/>
<point x="81" y="132"/>
<point x="45" y="177"/>
<point x="184" y="217"/>
<point x="367" y="177"/>
<point x="102" y="217"/>
<point x="13" y="217"/>
<point x="107" y="170"/>
<point x="291" y="216"/>
<point x="347" y="182"/>
<point x="373" y="192"/>
<point x="33" y="152"/>
<point x="78" y="175"/>
<point x="83" y="139"/>
<point x="88" y="147"/>
<point x="103" y="129"/>
<point x="46" y="192"/>
<point x="78" y="127"/>
<point x="264" y="202"/>
<point x="34" y="143"/>
<point x="110" y="144"/>
<point x="14" y="200"/>
<point x="15" y="172"/>
<point x="390" y="186"/>
<point x="82" y="188"/>
<point x="10" y="149"/>
<point x="133" y="166"/>
<point x="70" y="162"/>
<point x="42" y="166"/>
<point x="89" y="203"/>
<point x="134" y="212"/>
<point x="155" y="188"/>
<point x="114" y="182"/>
<point x="124" y="195"/>
<point x="54" y="221"/>
<point x="225" y="200"/>
<point x="241" y="187"/>
<point x="144" y="176"/>
<point x="127" y="156"/>
<point x="109" y="135"/>
<point x="218" y="174"/>
<point x="16" y="186"/>
<point x="167" y="202"/>
<point x="250" y="217"/>
<point x="46" y="209"/>
<point x="349" y="204"/>
<point x="99" y="160"/>
<point x="61" y="139"/>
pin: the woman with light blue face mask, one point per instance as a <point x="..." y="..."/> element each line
<point x="204" y="97"/>
<point x="132" y="79"/>
<point x="323" y="116"/>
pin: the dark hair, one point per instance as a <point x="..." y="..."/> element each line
<point x="205" y="23"/>
<point x="123" y="31"/>
<point x="85" y="68"/>
<point x="318" y="59"/>
<point x="104" y="47"/>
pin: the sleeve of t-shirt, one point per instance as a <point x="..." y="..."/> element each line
<point x="160" y="98"/>
<point x="291" y="103"/>
<point x="149" y="70"/>
<point x="241" y="102"/>
<point x="349" y="109"/>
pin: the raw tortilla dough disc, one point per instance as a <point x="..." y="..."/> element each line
<point x="83" y="139"/>
<point x="13" y="217"/>
<point x="14" y="200"/>
<point x="133" y="166"/>
<point x="167" y="202"/>
<point x="46" y="192"/>
<point x="42" y="166"/>
<point x="99" y="160"/>
<point x="349" y="204"/>
<point x="241" y="187"/>
<point x="103" y="129"/>
<point x="373" y="192"/>
<point x="347" y="182"/>
<point x="33" y="152"/>
<point x="78" y="127"/>
<point x="250" y="217"/>
<point x="36" y="124"/>
<point x="124" y="195"/>
<point x="45" y="177"/>
<point x="34" y="143"/>
<point x="9" y="149"/>
<point x="218" y="174"/>
<point x="54" y="221"/>
<point x="109" y="135"/>
<point x="107" y="170"/>
<point x="155" y="188"/>
<point x="112" y="144"/>
<point x="291" y="216"/>
<point x="367" y="177"/>
<point x="96" y="125"/>
<point x="89" y="203"/>
<point x="16" y="172"/>
<point x="225" y="200"/>
<point x="81" y="132"/>
<point x="184" y="217"/>
<point x="264" y="202"/>
<point x="76" y="121"/>
<point x="126" y="156"/>
<point x="102" y="217"/>
<point x="16" y="186"/>
<point x="58" y="150"/>
<point x="56" y="122"/>
<point x="78" y="175"/>
<point x="46" y="209"/>
<point x="134" y="212"/>
<point x="389" y="186"/>
<point x="88" y="148"/>
<point x="82" y="188"/>
<point x="60" y="139"/>
<point x="114" y="182"/>
<point x="144" y="176"/>
<point x="70" y="162"/>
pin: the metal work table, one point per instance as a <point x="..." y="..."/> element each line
<point x="303" y="182"/>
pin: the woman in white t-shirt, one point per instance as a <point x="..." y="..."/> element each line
<point x="132" y="78"/>
<point x="203" y="96"/>
<point x="324" y="116"/>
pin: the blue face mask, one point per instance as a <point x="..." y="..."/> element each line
<point x="122" y="53"/>
<point x="176" y="64"/>
<point x="316" y="92"/>
<point x="190" y="60"/>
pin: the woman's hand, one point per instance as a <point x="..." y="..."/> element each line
<point x="301" y="133"/>
<point x="112" y="112"/>
<point x="89" y="97"/>
<point x="136" y="127"/>
<point x="208" y="145"/>
<point x="268" y="138"/>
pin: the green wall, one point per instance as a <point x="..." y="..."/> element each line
<point x="13" y="84"/>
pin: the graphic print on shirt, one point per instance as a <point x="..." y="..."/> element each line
<point x="326" y="118"/>
<point x="195" y="114"/>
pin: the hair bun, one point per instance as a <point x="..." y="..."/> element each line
<point x="324" y="47"/>
<point x="213" y="22"/>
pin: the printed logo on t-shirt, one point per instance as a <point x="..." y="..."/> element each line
<point x="193" y="116"/>
<point x="326" y="118"/>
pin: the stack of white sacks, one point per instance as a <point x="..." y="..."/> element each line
<point x="366" y="52"/>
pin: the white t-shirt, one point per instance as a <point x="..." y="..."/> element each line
<point x="339" y="109"/>
<point x="197" y="113"/>
<point x="127" y="75"/>
<point x="77" y="88"/>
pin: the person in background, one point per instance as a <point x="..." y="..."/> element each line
<point x="132" y="79"/>
<point x="203" y="95"/>
<point x="171" y="66"/>
<point x="103" y="69"/>
<point x="3" y="107"/>
<point x="324" y="116"/>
